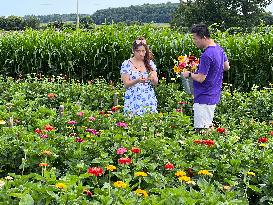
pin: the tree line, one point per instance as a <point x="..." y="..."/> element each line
<point x="226" y="13"/>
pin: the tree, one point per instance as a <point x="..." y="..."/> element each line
<point x="228" y="13"/>
<point x="32" y="22"/>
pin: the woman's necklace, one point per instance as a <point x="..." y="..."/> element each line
<point x="139" y="67"/>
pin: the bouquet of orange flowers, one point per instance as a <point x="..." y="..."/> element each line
<point x="186" y="63"/>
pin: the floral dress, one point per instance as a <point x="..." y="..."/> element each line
<point x="139" y="98"/>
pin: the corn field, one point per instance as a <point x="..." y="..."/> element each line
<point x="98" y="53"/>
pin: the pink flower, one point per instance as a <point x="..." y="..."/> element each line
<point x="44" y="136"/>
<point x="80" y="114"/>
<point x="71" y="122"/>
<point x="121" y="150"/>
<point x="121" y="124"/>
<point x="271" y="133"/>
<point x="92" y="118"/>
<point x="92" y="131"/>
<point x="179" y="110"/>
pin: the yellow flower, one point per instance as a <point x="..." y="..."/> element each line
<point x="88" y="136"/>
<point x="47" y="153"/>
<point x="180" y="173"/>
<point x="120" y="184"/>
<point x="182" y="58"/>
<point x="111" y="168"/>
<point x="60" y="185"/>
<point x="141" y="174"/>
<point x="262" y="145"/>
<point x="250" y="173"/>
<point x="184" y="179"/>
<point x="226" y="188"/>
<point x="141" y="192"/>
<point x="176" y="69"/>
<point x="2" y="122"/>
<point x="191" y="182"/>
<point x="205" y="172"/>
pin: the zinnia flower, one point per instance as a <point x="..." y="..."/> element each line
<point x="46" y="153"/>
<point x="96" y="171"/>
<point x="169" y="166"/>
<point x="87" y="192"/>
<point x="135" y="150"/>
<point x="121" y="150"/>
<point x="71" y="122"/>
<point x="124" y="161"/>
<point x="38" y="131"/>
<point x="49" y="128"/>
<point x="271" y="133"/>
<point x="78" y="139"/>
<point x="141" y="174"/>
<point x="120" y="184"/>
<point x="141" y="192"/>
<point x="205" y="172"/>
<point x="44" y="136"/>
<point x="121" y="124"/>
<point x="92" y="118"/>
<point x="43" y="164"/>
<point x="80" y="114"/>
<point x="51" y="96"/>
<point x="220" y="130"/>
<point x="262" y="140"/>
<point x="92" y="131"/>
<point x="184" y="179"/>
<point x="251" y="174"/>
<point x="180" y="173"/>
<point x="111" y="168"/>
<point x="60" y="185"/>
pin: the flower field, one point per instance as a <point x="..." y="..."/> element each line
<point x="66" y="143"/>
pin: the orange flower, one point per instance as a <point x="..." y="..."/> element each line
<point x="51" y="96"/>
<point x="49" y="128"/>
<point x="43" y="164"/>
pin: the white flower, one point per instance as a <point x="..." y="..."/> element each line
<point x="2" y="183"/>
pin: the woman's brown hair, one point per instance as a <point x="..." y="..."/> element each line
<point x="141" y="41"/>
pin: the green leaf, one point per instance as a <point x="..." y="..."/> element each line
<point x="26" y="200"/>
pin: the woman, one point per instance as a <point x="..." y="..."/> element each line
<point x="139" y="76"/>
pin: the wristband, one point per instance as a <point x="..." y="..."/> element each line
<point x="189" y="74"/>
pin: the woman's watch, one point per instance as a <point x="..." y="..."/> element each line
<point x="189" y="74"/>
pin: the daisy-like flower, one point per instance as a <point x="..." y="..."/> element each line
<point x="91" y="118"/>
<point x="2" y="122"/>
<point x="121" y="124"/>
<point x="205" y="172"/>
<point x="121" y="150"/>
<point x="180" y="173"/>
<point x="43" y="165"/>
<point x="96" y="171"/>
<point x="60" y="185"/>
<point x="169" y="166"/>
<point x="120" y="184"/>
<point x="263" y="145"/>
<point x="111" y="168"/>
<point x="49" y="128"/>
<point x="251" y="174"/>
<point x="87" y="192"/>
<point x="141" y="192"/>
<point x="191" y="182"/>
<point x="184" y="179"/>
<point x="141" y="174"/>
<point x="135" y="150"/>
<point x="80" y="114"/>
<point x="125" y="161"/>
<point x="72" y="122"/>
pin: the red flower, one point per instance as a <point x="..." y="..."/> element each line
<point x="87" y="193"/>
<point x="135" y="150"/>
<point x="198" y="141"/>
<point x="182" y="103"/>
<point x="208" y="142"/>
<point x="124" y="161"/>
<point x="102" y="112"/>
<point x="169" y="166"/>
<point x="49" y="128"/>
<point x="96" y="171"/>
<point x="221" y="130"/>
<point x="262" y="140"/>
<point x="38" y="131"/>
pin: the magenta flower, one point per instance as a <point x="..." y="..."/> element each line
<point x="78" y="139"/>
<point x="121" y="150"/>
<point x="71" y="122"/>
<point x="44" y="136"/>
<point x="121" y="124"/>
<point x="91" y="118"/>
<point x="92" y="131"/>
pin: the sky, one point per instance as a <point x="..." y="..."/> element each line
<point x="44" y="7"/>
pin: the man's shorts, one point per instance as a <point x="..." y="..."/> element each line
<point x="203" y="115"/>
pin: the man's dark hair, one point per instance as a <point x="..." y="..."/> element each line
<point x="200" y="30"/>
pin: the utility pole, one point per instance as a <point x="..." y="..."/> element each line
<point x="78" y="18"/>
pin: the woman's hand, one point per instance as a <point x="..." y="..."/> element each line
<point x="153" y="77"/>
<point x="142" y="80"/>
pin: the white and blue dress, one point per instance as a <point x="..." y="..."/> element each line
<point x="139" y="98"/>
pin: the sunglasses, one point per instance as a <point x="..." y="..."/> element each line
<point x="141" y="42"/>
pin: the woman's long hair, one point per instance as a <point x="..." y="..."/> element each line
<point x="141" y="41"/>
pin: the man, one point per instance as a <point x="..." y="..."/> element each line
<point x="207" y="80"/>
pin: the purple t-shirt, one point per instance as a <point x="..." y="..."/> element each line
<point x="212" y="65"/>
